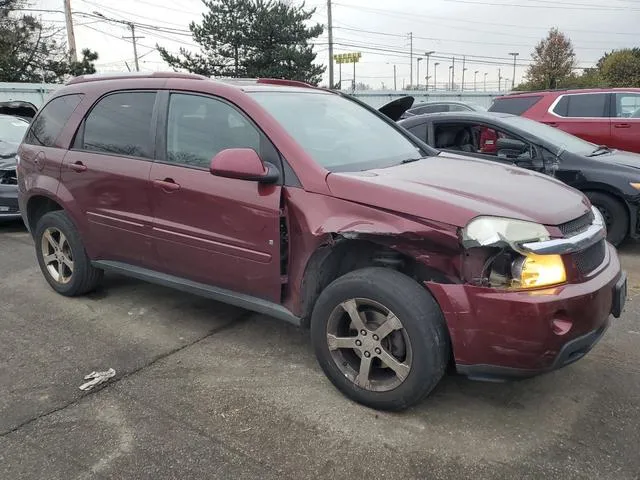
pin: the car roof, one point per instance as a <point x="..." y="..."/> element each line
<point x="245" y="84"/>
<point x="14" y="117"/>
<point x="470" y="115"/>
<point x="569" y="91"/>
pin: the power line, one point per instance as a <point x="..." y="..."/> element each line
<point x="413" y="16"/>
<point x="554" y="5"/>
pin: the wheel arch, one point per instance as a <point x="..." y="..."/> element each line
<point x="331" y="261"/>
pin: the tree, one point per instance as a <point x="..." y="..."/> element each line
<point x="621" y="68"/>
<point x="553" y="62"/>
<point x="29" y="51"/>
<point x="252" y="38"/>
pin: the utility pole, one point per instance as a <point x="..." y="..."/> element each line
<point x="515" y="55"/>
<point x="453" y="73"/>
<point x="435" y="75"/>
<point x="485" y="81"/>
<point x="330" y="29"/>
<point x="475" y="78"/>
<point x="135" y="47"/>
<point x="428" y="54"/>
<point x="133" y="37"/>
<point x="419" y="59"/>
<point x="410" y="58"/>
<point x="71" y="37"/>
<point x="499" y="79"/>
<point x="395" y="79"/>
<point x="464" y="69"/>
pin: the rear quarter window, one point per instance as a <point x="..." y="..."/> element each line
<point x="47" y="126"/>
<point x="514" y="105"/>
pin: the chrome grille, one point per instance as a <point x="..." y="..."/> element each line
<point x="578" y="225"/>
<point x="591" y="258"/>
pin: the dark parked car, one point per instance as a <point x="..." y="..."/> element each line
<point x="312" y="207"/>
<point x="602" y="116"/>
<point x="444" y="106"/>
<point x="17" y="108"/>
<point x="610" y="178"/>
<point x="12" y="129"/>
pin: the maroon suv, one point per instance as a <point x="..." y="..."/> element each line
<point x="608" y="117"/>
<point x="311" y="207"/>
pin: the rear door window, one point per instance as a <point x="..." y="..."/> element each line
<point x="587" y="105"/>
<point x="120" y="124"/>
<point x="47" y="126"/>
<point x="627" y="105"/>
<point x="514" y="105"/>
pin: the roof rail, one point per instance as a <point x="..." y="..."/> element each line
<point x="283" y="82"/>
<point x="95" y="77"/>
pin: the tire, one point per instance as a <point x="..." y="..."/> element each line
<point x="77" y="276"/>
<point x="615" y="214"/>
<point x="422" y="332"/>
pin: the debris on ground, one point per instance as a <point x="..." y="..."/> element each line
<point x="96" y="378"/>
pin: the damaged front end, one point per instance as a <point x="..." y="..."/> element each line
<point x="514" y="254"/>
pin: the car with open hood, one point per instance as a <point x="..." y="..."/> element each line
<point x="609" y="178"/>
<point x="314" y="208"/>
<point x="12" y="129"/>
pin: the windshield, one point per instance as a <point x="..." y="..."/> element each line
<point x="560" y="139"/>
<point x="12" y="129"/>
<point x="336" y="132"/>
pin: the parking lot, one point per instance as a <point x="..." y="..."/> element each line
<point x="204" y="390"/>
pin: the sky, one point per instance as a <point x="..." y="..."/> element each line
<point x="483" y="32"/>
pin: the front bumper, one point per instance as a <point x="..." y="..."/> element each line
<point x="9" y="209"/>
<point x="496" y="333"/>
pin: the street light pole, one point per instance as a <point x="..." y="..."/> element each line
<point x="515" y="55"/>
<point x="485" y="81"/>
<point x="428" y="54"/>
<point x="450" y="82"/>
<point x="435" y="75"/>
<point x="475" y="84"/>
<point x="395" y="79"/>
<point x="418" y="60"/>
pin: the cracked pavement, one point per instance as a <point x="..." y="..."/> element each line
<point x="205" y="390"/>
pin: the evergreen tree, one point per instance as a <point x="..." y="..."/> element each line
<point x="252" y="38"/>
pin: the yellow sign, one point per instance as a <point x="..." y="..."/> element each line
<point x="347" y="57"/>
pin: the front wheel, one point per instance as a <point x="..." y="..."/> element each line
<point x="380" y="338"/>
<point x="615" y="216"/>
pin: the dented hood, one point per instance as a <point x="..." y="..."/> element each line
<point x="453" y="190"/>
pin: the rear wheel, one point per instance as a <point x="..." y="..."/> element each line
<point x="380" y="338"/>
<point x="615" y="215"/>
<point x="62" y="258"/>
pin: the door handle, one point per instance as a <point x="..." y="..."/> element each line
<point x="622" y="125"/>
<point x="551" y="124"/>
<point x="167" y="185"/>
<point x="78" y="166"/>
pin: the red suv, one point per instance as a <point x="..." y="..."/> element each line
<point x="309" y="206"/>
<point x="608" y="117"/>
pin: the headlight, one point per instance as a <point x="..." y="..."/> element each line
<point x="635" y="185"/>
<point x="497" y="231"/>
<point x="512" y="268"/>
<point x="535" y="271"/>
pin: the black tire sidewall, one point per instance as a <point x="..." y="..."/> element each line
<point x="421" y="317"/>
<point x="81" y="263"/>
<point x="617" y="233"/>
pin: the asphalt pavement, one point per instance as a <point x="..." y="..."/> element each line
<point x="204" y="390"/>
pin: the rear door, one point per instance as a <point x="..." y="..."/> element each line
<point x="626" y="122"/>
<point x="218" y="231"/>
<point x="107" y="174"/>
<point x="585" y="115"/>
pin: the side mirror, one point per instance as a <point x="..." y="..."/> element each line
<point x="243" y="164"/>
<point x="511" y="145"/>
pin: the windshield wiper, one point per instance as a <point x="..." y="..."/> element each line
<point x="601" y="150"/>
<point x="411" y="160"/>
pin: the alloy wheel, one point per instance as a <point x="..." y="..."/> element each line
<point x="57" y="256"/>
<point x="369" y="344"/>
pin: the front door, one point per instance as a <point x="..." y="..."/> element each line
<point x="219" y="231"/>
<point x="107" y="175"/>
<point x="626" y="124"/>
